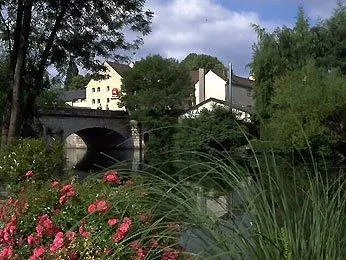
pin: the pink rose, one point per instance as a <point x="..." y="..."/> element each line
<point x="29" y="174"/>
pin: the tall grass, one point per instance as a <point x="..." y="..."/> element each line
<point x="280" y="212"/>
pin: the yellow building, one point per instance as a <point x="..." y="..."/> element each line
<point x="103" y="94"/>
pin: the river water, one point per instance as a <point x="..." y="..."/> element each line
<point x="85" y="161"/>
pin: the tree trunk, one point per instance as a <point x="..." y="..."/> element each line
<point x="14" y="53"/>
<point x="18" y="71"/>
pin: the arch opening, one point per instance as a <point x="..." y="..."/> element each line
<point x="101" y="138"/>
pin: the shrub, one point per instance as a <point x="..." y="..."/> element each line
<point x="30" y="154"/>
<point x="95" y="219"/>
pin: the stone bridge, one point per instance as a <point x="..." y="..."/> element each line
<point x="97" y="128"/>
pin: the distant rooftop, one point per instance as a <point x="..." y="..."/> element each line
<point x="72" y="95"/>
<point x="118" y="67"/>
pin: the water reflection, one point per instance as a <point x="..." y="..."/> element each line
<point x="86" y="161"/>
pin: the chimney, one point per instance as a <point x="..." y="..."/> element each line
<point x="201" y="85"/>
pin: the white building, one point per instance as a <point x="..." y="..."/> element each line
<point x="213" y="89"/>
<point x="100" y="94"/>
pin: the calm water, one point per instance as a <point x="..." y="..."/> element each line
<point x="86" y="161"/>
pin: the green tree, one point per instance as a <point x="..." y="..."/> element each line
<point x="4" y="81"/>
<point x="154" y="92"/>
<point x="215" y="129"/>
<point x="40" y="34"/>
<point x="78" y="82"/>
<point x="306" y="103"/>
<point x="195" y="61"/>
<point x="72" y="71"/>
<point x="287" y="49"/>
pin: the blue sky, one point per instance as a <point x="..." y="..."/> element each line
<point x="221" y="27"/>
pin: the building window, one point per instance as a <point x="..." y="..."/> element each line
<point x="93" y="101"/>
<point x="93" y="89"/>
<point x="108" y="88"/>
<point x="98" y="89"/>
<point x="98" y="101"/>
<point x="107" y="100"/>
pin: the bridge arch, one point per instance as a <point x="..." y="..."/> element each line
<point x="101" y="138"/>
<point x="97" y="128"/>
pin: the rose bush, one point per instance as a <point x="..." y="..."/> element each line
<point x="105" y="218"/>
<point x="27" y="154"/>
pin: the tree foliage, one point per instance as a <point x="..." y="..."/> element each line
<point x="78" y="82"/>
<point x="40" y="34"/>
<point x="305" y="104"/>
<point x="216" y="129"/>
<point x="288" y="49"/>
<point x="195" y="61"/>
<point x="154" y="92"/>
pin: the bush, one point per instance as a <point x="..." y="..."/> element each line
<point x="30" y="154"/>
<point x="96" y="219"/>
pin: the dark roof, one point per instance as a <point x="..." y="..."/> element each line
<point x="72" y="95"/>
<point x="120" y="68"/>
<point x="244" y="82"/>
<point x="194" y="75"/>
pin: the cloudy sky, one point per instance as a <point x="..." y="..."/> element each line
<point x="220" y="27"/>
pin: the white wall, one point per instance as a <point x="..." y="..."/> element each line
<point x="214" y="86"/>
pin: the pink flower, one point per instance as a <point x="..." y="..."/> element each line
<point x="6" y="253"/>
<point x="39" y="230"/>
<point x="83" y="233"/>
<point x="71" y="193"/>
<point x="122" y="230"/>
<point x="55" y="184"/>
<point x="31" y="240"/>
<point x="58" y="242"/>
<point x="112" y="177"/>
<point x="67" y="188"/>
<point x="29" y="174"/>
<point x="38" y="252"/>
<point x="112" y="221"/>
<point x="92" y="208"/>
<point x="70" y="235"/>
<point x="63" y="199"/>
<point x="101" y="206"/>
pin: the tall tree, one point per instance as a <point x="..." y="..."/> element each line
<point x="40" y="34"/>
<point x="78" y="82"/>
<point x="154" y="92"/>
<point x="72" y="71"/>
<point x="307" y="103"/>
<point x="195" y="61"/>
<point x="287" y="49"/>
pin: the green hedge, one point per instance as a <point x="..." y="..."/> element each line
<point x="30" y="154"/>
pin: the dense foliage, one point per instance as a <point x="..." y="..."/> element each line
<point x="37" y="35"/>
<point x="78" y="82"/>
<point x="216" y="129"/>
<point x="195" y="61"/>
<point x="30" y="154"/>
<point x="303" y="118"/>
<point x="288" y="49"/>
<point x="155" y="92"/>
<point x="299" y="87"/>
<point x="98" y="219"/>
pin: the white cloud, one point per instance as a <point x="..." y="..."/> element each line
<point x="202" y="26"/>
